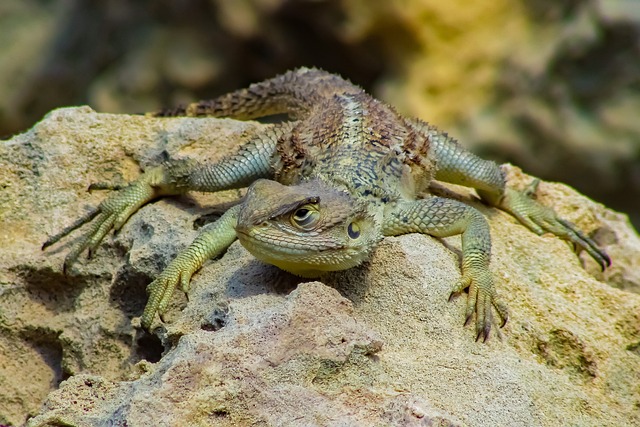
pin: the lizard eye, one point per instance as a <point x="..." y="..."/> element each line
<point x="305" y="217"/>
<point x="353" y="230"/>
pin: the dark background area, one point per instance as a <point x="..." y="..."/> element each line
<point x="552" y="86"/>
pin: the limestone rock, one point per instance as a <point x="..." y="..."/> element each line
<point x="375" y="345"/>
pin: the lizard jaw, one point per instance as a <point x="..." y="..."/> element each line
<point x="306" y="261"/>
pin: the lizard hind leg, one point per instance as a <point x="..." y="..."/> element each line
<point x="442" y="217"/>
<point x="541" y="219"/>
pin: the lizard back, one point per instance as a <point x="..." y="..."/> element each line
<point x="340" y="134"/>
<point x="355" y="142"/>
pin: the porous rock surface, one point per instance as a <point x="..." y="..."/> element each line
<point x="376" y="345"/>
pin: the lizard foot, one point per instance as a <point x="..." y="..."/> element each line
<point x="179" y="271"/>
<point x="112" y="213"/>
<point x="212" y="240"/>
<point x="541" y="219"/>
<point x="482" y="299"/>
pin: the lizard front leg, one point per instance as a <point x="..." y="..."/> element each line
<point x="213" y="239"/>
<point x="442" y="217"/>
<point x="254" y="160"/>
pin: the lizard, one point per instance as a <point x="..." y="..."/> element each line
<point x="325" y="187"/>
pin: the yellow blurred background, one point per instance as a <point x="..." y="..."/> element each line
<point x="550" y="85"/>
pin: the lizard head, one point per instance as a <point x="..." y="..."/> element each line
<point x="306" y="229"/>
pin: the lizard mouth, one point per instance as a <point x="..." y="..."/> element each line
<point x="290" y="245"/>
<point x="306" y="259"/>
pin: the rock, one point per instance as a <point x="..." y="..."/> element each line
<point x="375" y="345"/>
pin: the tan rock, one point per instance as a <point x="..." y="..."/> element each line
<point x="376" y="345"/>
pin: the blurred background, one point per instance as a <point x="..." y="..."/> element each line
<point x="552" y="86"/>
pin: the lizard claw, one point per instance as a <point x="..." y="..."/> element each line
<point x="531" y="189"/>
<point x="541" y="219"/>
<point x="110" y="214"/>
<point x="481" y="301"/>
<point x="212" y="241"/>
<point x="179" y="271"/>
<point x="582" y="242"/>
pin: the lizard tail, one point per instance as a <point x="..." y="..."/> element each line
<point x="294" y="93"/>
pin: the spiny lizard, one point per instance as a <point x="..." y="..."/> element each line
<point x="325" y="187"/>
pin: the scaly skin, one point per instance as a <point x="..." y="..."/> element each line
<point x="326" y="187"/>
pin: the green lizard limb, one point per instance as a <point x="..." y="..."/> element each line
<point x="212" y="241"/>
<point x="251" y="162"/>
<point x="444" y="217"/>
<point x="459" y="166"/>
<point x="113" y="212"/>
<point x="541" y="219"/>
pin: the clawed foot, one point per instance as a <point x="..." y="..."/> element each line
<point x="482" y="299"/>
<point x="179" y="271"/>
<point x="541" y="219"/>
<point x="111" y="214"/>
